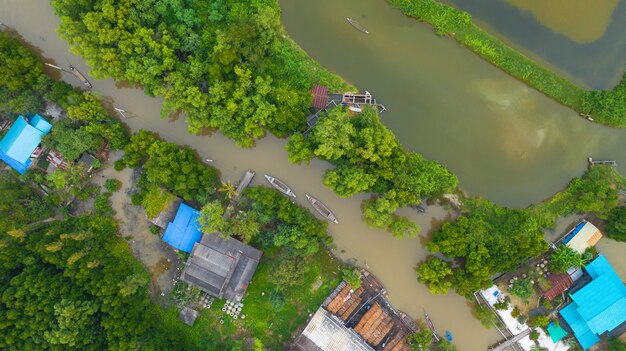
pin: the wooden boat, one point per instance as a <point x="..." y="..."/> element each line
<point x="322" y="209"/>
<point x="357" y="25"/>
<point x="81" y="77"/>
<point x="280" y="186"/>
<point x="431" y="326"/>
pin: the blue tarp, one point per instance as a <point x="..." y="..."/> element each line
<point x="598" y="307"/>
<point x="573" y="232"/>
<point x="184" y="231"/>
<point x="21" y="140"/>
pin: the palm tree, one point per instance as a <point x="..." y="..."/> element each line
<point x="229" y="189"/>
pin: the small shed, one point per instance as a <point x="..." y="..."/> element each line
<point x="559" y="283"/>
<point x="184" y="231"/>
<point x="584" y="235"/>
<point x="168" y="215"/>
<point x="188" y="316"/>
<point x="320" y="96"/>
<point x="221" y="267"/>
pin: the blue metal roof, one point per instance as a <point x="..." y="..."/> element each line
<point x="184" y="231"/>
<point x="598" y="307"/>
<point x="40" y="123"/>
<point x="573" y="232"/>
<point x="21" y="140"/>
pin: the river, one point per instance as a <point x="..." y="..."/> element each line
<point x="583" y="40"/>
<point x="505" y="141"/>
<point x="444" y="102"/>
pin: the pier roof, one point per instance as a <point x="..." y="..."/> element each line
<point x="320" y="96"/>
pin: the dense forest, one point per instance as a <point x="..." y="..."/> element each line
<point x="71" y="284"/>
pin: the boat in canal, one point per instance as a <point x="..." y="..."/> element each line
<point x="357" y="25"/>
<point x="322" y="209"/>
<point x="448" y="335"/>
<point x="431" y="326"/>
<point x="280" y="186"/>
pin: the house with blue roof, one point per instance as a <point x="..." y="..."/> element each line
<point x="599" y="307"/>
<point x="184" y="231"/>
<point x="21" y="141"/>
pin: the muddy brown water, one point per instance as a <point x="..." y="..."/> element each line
<point x="506" y="142"/>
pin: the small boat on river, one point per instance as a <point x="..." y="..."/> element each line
<point x="448" y="335"/>
<point x="358" y="25"/>
<point x="280" y="186"/>
<point x="322" y="209"/>
<point x="431" y="326"/>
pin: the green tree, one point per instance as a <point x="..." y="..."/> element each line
<point x="436" y="274"/>
<point x="244" y="225"/>
<point x="564" y="258"/>
<point x="420" y="340"/>
<point x="616" y="345"/>
<point x="211" y="217"/>
<point x="70" y="141"/>
<point x="616" y="224"/>
<point x="403" y="227"/>
<point x="352" y="277"/>
<point x="523" y="288"/>
<point x="445" y="345"/>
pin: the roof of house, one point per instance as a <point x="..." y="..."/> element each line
<point x="320" y="96"/>
<point x="168" y="215"/>
<point x="584" y="235"/>
<point x="326" y="332"/>
<point x="556" y="332"/>
<point x="21" y="140"/>
<point x="598" y="307"/>
<point x="184" y="231"/>
<point x="558" y="284"/>
<point x="221" y="267"/>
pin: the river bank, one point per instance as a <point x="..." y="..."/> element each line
<point x="607" y="107"/>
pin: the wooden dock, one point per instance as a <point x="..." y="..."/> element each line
<point x="509" y="342"/>
<point x="243" y="183"/>
<point x="601" y="162"/>
<point x="362" y="99"/>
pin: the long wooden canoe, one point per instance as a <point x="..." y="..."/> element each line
<point x="322" y="209"/>
<point x="357" y="25"/>
<point x="280" y="186"/>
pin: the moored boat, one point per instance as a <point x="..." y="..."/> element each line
<point x="431" y="326"/>
<point x="322" y="209"/>
<point x="280" y="186"/>
<point x="448" y="335"/>
<point x="357" y="25"/>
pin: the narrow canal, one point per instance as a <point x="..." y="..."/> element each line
<point x="445" y="103"/>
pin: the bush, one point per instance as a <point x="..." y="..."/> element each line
<point x="522" y="318"/>
<point x="154" y="229"/>
<point x="97" y="164"/>
<point x="523" y="289"/>
<point x="534" y="335"/>
<point x="501" y="305"/>
<point x="515" y="313"/>
<point x="539" y="321"/>
<point x="112" y="185"/>
<point x="352" y="277"/>
<point x="119" y="165"/>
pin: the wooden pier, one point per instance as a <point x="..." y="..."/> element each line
<point x="601" y="162"/>
<point x="509" y="342"/>
<point x="243" y="183"/>
<point x="362" y="99"/>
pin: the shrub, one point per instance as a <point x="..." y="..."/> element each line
<point x="112" y="185"/>
<point x="352" y="277"/>
<point x="515" y="313"/>
<point x="154" y="229"/>
<point x="501" y="305"/>
<point x="539" y="321"/>
<point x="522" y="318"/>
<point x="119" y="165"/>
<point x="534" y="335"/>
